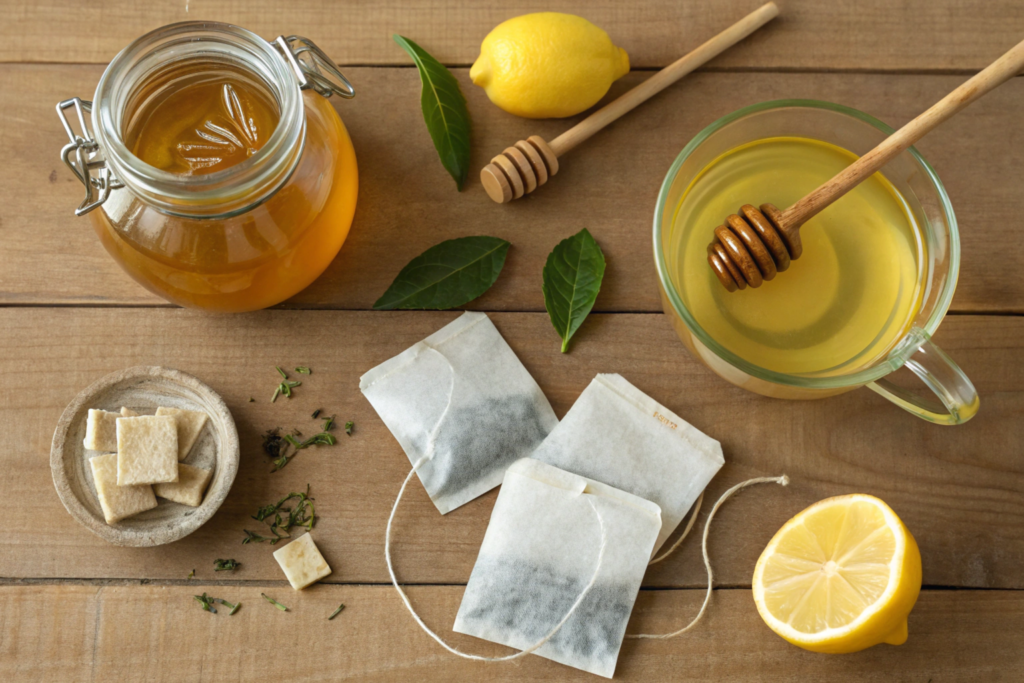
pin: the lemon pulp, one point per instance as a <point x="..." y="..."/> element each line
<point x="840" y="576"/>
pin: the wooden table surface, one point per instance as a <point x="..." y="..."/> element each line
<point x="73" y="608"/>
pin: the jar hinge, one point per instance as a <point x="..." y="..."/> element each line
<point x="313" y="68"/>
<point x="87" y="159"/>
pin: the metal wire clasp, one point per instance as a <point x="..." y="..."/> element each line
<point x="313" y="68"/>
<point x="87" y="157"/>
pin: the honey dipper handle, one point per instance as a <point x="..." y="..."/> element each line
<point x="993" y="75"/>
<point x="664" y="78"/>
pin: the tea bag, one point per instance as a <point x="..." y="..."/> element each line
<point x="462" y="406"/>
<point x="543" y="549"/>
<point x="618" y="435"/>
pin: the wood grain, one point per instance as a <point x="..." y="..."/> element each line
<point x="150" y="633"/>
<point x="71" y="608"/>
<point x="50" y="257"/>
<point x="810" y="34"/>
<point x="958" y="489"/>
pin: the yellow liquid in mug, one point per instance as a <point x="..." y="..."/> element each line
<point x="849" y="298"/>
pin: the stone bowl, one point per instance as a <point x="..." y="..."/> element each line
<point x="143" y="389"/>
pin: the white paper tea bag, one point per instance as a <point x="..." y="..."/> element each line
<point x="543" y="550"/>
<point x="461" y="399"/>
<point x="618" y="435"/>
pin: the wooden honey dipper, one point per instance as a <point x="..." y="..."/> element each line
<point x="528" y="164"/>
<point x="755" y="244"/>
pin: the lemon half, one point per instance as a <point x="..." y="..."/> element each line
<point x="840" y="576"/>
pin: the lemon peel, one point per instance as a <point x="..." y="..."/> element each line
<point x="839" y="577"/>
<point x="547" y="65"/>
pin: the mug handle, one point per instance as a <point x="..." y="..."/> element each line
<point x="958" y="397"/>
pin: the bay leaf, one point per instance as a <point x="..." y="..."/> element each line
<point x="444" y="111"/>
<point x="572" y="279"/>
<point x="447" y="275"/>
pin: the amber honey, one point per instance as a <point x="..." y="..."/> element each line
<point x="210" y="124"/>
<point x="196" y="120"/>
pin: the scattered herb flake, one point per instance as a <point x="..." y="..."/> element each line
<point x="234" y="608"/>
<point x="251" y="537"/>
<point x="349" y="426"/>
<point x="336" y="612"/>
<point x="328" y="423"/>
<point x="272" y="442"/>
<point x="192" y="574"/>
<point x="285" y="388"/>
<point x="283" y="373"/>
<point x="274" y="602"/>
<point x="316" y="413"/>
<point x="302" y="515"/>
<point x="303" y="370"/>
<point x="226" y="565"/>
<point x="281" y="449"/>
<point x="321" y="439"/>
<point x="252" y="400"/>
<point x="206" y="602"/>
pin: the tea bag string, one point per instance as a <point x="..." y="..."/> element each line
<point x="782" y="481"/>
<point x="540" y="643"/>
<point x="686" y="532"/>
<point x="432" y="438"/>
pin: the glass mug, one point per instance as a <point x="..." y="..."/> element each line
<point x="240" y="238"/>
<point x="956" y="400"/>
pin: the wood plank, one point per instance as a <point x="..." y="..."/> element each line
<point x="958" y="489"/>
<point x="842" y="34"/>
<point x="150" y="633"/>
<point x="976" y="154"/>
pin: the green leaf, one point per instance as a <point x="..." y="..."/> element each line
<point x="572" y="279"/>
<point x="447" y="275"/>
<point x="444" y="111"/>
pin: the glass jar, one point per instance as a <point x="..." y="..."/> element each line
<point x="238" y="239"/>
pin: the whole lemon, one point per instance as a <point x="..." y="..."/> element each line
<point x="547" y="65"/>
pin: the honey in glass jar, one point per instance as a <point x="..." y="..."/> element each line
<point x="217" y="173"/>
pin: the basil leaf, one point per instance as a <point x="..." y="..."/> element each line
<point x="572" y="279"/>
<point x="447" y="275"/>
<point x="444" y="111"/>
